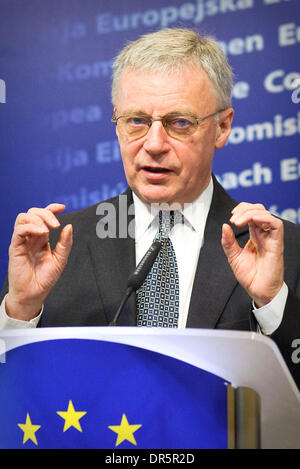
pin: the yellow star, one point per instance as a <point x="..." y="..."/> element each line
<point x="29" y="430"/>
<point x="124" y="431"/>
<point x="71" y="417"/>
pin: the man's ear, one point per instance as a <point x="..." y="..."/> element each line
<point x="224" y="127"/>
<point x="114" y="115"/>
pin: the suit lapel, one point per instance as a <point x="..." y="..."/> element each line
<point x="113" y="260"/>
<point x="214" y="280"/>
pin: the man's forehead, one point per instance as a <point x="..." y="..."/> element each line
<point x="167" y="75"/>
<point x="179" y="89"/>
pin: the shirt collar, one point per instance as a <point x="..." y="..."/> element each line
<point x="195" y="213"/>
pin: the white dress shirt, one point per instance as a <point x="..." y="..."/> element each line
<point x="187" y="239"/>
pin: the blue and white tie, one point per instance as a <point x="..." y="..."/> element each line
<point x="158" y="297"/>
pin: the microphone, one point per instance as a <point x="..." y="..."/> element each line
<point x="138" y="276"/>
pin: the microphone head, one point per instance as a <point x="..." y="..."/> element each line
<point x="138" y="276"/>
<point x="144" y="267"/>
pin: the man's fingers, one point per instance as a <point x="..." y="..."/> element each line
<point x="38" y="222"/>
<point x="244" y="211"/>
<point x="264" y="219"/>
<point x="64" y="245"/>
<point x="41" y="216"/>
<point x="30" y="229"/>
<point x="229" y="243"/>
<point x="32" y="219"/>
<point x="44" y="214"/>
<point x="55" y="208"/>
<point x="243" y="207"/>
<point x="23" y="231"/>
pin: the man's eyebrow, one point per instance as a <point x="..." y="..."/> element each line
<point x="134" y="112"/>
<point x="138" y="112"/>
<point x="181" y="112"/>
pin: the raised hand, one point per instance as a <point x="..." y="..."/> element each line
<point x="34" y="268"/>
<point x="259" y="266"/>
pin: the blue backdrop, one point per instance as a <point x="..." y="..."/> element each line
<point x="56" y="140"/>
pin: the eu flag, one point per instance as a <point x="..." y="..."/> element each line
<point x="81" y="393"/>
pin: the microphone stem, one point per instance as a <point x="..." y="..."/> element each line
<point x="127" y="295"/>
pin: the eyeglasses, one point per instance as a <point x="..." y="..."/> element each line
<point x="176" y="125"/>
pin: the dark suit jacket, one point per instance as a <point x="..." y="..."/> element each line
<point x="94" y="281"/>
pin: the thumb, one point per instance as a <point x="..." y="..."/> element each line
<point x="229" y="243"/>
<point x="64" y="245"/>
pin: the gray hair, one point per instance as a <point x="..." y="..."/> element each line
<point x="170" y="50"/>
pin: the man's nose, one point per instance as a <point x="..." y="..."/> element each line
<point x="156" y="140"/>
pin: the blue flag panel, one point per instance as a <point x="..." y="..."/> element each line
<point x="75" y="393"/>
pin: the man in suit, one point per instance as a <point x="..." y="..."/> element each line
<point x="172" y="108"/>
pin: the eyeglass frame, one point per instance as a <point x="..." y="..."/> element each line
<point x="115" y="119"/>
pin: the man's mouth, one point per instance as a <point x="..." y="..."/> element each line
<point x="153" y="169"/>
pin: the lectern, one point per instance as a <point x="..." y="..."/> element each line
<point x="96" y="387"/>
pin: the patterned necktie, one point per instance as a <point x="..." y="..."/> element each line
<point x="158" y="297"/>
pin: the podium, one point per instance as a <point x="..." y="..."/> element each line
<point x="262" y="402"/>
